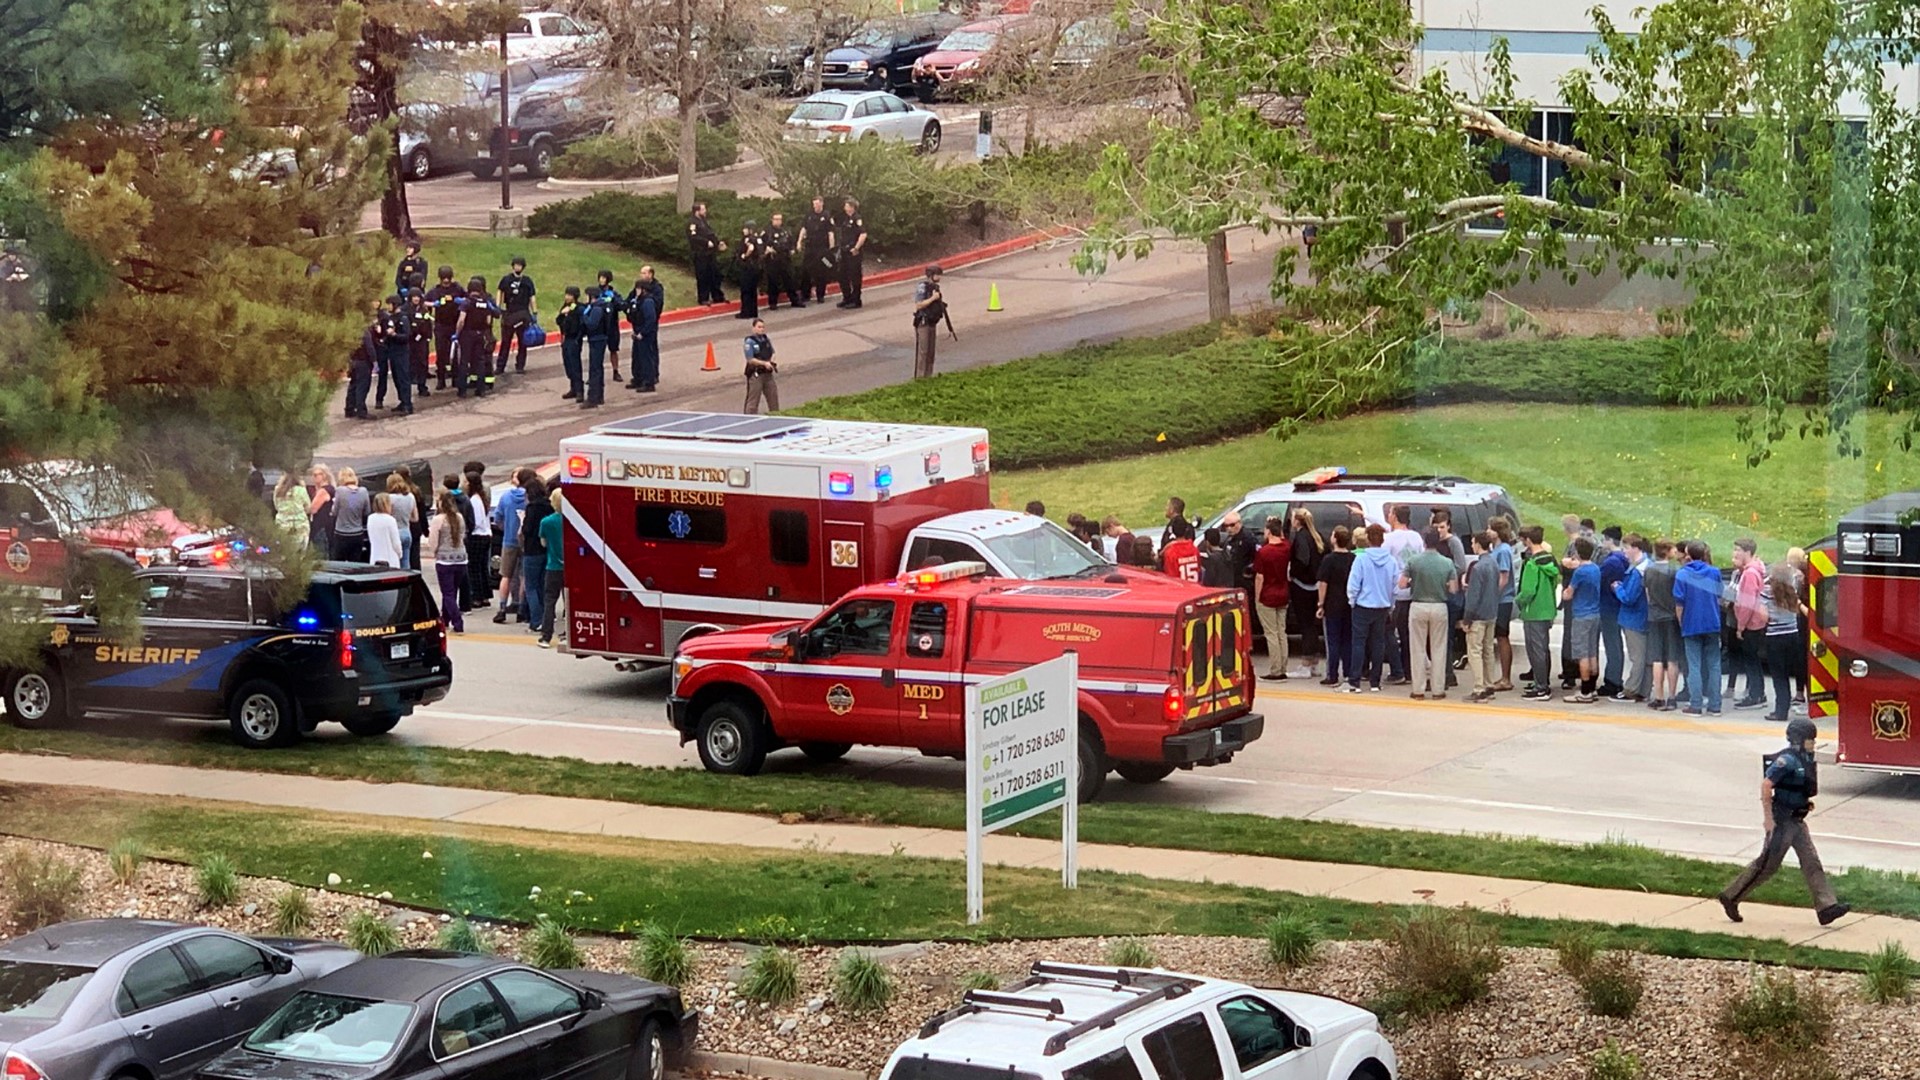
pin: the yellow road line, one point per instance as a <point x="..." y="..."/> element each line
<point x="1571" y="715"/>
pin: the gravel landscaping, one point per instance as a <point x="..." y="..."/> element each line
<point x="1534" y="1024"/>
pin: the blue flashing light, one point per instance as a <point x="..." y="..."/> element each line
<point x="306" y="620"/>
<point x="883" y="477"/>
<point x="840" y="483"/>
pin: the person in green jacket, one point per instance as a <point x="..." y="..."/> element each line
<point x="552" y="530"/>
<point x="1538" y="598"/>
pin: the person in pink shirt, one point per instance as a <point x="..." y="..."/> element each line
<point x="1749" y="620"/>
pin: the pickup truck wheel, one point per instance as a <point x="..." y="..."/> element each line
<point x="482" y="170"/>
<point x="825" y="752"/>
<point x="371" y="724"/>
<point x="732" y="740"/>
<point x="1093" y="764"/>
<point x="1143" y="772"/>
<point x="542" y="165"/>
<point x="419" y="164"/>
<point x="262" y="715"/>
<point x="36" y="699"/>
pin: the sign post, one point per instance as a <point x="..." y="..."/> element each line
<point x="1023" y="759"/>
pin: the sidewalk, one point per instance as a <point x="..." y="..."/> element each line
<point x="1364" y="884"/>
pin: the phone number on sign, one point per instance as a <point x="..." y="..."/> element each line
<point x="1013" y="785"/>
<point x="1016" y="750"/>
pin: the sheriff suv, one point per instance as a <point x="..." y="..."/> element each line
<point x="362" y="646"/>
<point x="1336" y="497"/>
<point x="1067" y="1022"/>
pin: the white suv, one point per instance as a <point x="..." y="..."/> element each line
<point x="1067" y="1022"/>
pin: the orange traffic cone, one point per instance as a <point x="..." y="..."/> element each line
<point x="711" y="364"/>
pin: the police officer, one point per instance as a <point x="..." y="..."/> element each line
<point x="444" y="298"/>
<point x="413" y="265"/>
<point x="615" y="305"/>
<point x="929" y="308"/>
<point x="1787" y="789"/>
<point x="761" y="370"/>
<point x="598" y="319"/>
<point x="573" y="339"/>
<point x="644" y="305"/>
<point x="360" y="367"/>
<point x="396" y="334"/>
<point x="746" y="267"/>
<point x="517" y="304"/>
<point x="472" y="363"/>
<point x="851" y="233"/>
<point x="420" y="339"/>
<point x="816" y="251"/>
<point x="776" y="244"/>
<point x="705" y="246"/>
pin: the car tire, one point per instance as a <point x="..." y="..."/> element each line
<point x="930" y="139"/>
<point x="1369" y="1071"/>
<point x="371" y="724"/>
<point x="262" y="715"/>
<point x="1093" y="764"/>
<point x="825" y="752"/>
<point x="419" y="164"/>
<point x="1143" y="772"/>
<point x="36" y="698"/>
<point x="540" y="166"/>
<point x="732" y="740"/>
<point x="482" y="170"/>
<point x="649" y="1054"/>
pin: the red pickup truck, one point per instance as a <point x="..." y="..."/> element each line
<point x="1166" y="677"/>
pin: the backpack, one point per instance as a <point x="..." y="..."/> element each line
<point x="593" y="319"/>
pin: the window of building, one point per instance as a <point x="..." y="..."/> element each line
<point x="789" y="534"/>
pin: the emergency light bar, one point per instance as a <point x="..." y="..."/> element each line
<point x="1324" y="475"/>
<point x="934" y="575"/>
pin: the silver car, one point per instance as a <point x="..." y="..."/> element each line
<point x="134" y="997"/>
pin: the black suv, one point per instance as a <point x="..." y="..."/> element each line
<point x="363" y="646"/>
<point x="549" y="116"/>
<point x="881" y="56"/>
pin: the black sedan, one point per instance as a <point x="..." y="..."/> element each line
<point x="454" y="1016"/>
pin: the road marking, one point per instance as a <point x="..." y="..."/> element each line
<point x="621" y="726"/>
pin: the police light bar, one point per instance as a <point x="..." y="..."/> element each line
<point x="1324" y="475"/>
<point x="934" y="575"/>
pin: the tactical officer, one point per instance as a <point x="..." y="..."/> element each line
<point x="816" y="251"/>
<point x="420" y="341"/>
<point x="929" y="310"/>
<point x="412" y="265"/>
<point x="472" y="363"/>
<point x="644" y="305"/>
<point x="777" y="247"/>
<point x="761" y="370"/>
<point x="360" y="367"/>
<point x="851" y="233"/>
<point x="615" y="305"/>
<point x="516" y="302"/>
<point x="705" y="246"/>
<point x="573" y="339"/>
<point x="746" y="267"/>
<point x="597" y="318"/>
<point x="1787" y="789"/>
<point x="444" y="298"/>
<point x="396" y="343"/>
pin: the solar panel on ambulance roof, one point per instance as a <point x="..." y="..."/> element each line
<point x="757" y="427"/>
<point x="641" y="425"/>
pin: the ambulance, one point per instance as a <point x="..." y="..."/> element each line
<point x="1863" y="644"/>
<point x="683" y="523"/>
<point x="1166" y="671"/>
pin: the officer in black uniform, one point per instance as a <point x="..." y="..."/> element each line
<point x="444" y="298"/>
<point x="472" y="363"/>
<point x="413" y="265"/>
<point x="1787" y="788"/>
<point x="929" y="308"/>
<point x="516" y="302"/>
<point x="851" y="232"/>
<point x="762" y="372"/>
<point x="816" y="251"/>
<point x="746" y="267"/>
<point x="615" y="306"/>
<point x="777" y="263"/>
<point x="360" y="369"/>
<point x="420" y="337"/>
<point x="705" y="246"/>
<point x="396" y="339"/>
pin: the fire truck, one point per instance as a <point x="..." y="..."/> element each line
<point x="1863" y="664"/>
<point x="682" y="523"/>
<point x="1166" y="672"/>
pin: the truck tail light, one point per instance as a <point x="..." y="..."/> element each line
<point x="346" y="650"/>
<point x="1173" y="704"/>
<point x="19" y="1068"/>
<point x="513" y="136"/>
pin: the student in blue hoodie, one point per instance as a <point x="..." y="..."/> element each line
<point x="1630" y="596"/>
<point x="1613" y="565"/>
<point x="1370" y="594"/>
<point x="1696" y="600"/>
<point x="1582" y="594"/>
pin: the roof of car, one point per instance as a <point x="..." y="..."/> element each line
<point x="847" y="97"/>
<point x="997" y="22"/>
<point x="410" y="975"/>
<point x="985" y="523"/>
<point x="87" y="942"/>
<point x="328" y="573"/>
<point x="1420" y="488"/>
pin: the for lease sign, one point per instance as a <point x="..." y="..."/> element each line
<point x="1021" y="759"/>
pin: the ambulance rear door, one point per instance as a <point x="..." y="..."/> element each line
<point x="585" y="494"/>
<point x="1879" y="665"/>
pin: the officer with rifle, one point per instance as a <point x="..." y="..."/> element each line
<point x="929" y="311"/>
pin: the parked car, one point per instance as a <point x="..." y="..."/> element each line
<point x="846" y="115"/>
<point x="55" y="516"/>
<point x="783" y="50"/>
<point x="1068" y="1022"/>
<point x="1087" y="40"/>
<point x="881" y="56"/>
<point x="455" y="1016"/>
<point x="545" y="35"/>
<point x="962" y="54"/>
<point x="141" y="997"/>
<point x="1355" y="500"/>
<point x="550" y="116"/>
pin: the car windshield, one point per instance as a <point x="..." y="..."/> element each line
<point x="1044" y="551"/>
<point x="818" y="110"/>
<point x="97" y="495"/>
<point x="331" y="1029"/>
<point x="1094" y="33"/>
<point x="30" y="991"/>
<point x="968" y="41"/>
<point x="872" y="35"/>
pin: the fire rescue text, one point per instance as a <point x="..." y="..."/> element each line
<point x="680" y="497"/>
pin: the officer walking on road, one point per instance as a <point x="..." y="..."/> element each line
<point x="776" y="245"/>
<point x="761" y="370"/>
<point x="746" y="267"/>
<point x="644" y="304"/>
<point x="1786" y="797"/>
<point x="929" y="310"/>
<point x="851" y="232"/>
<point x="816" y="251"/>
<point x="516" y="300"/>
<point x="444" y="298"/>
<point x="704" y="246"/>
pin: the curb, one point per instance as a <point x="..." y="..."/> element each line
<point x="770" y="1068"/>
<point x="552" y="183"/>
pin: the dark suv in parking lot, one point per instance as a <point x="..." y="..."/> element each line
<point x="881" y="56"/>
<point x="362" y="645"/>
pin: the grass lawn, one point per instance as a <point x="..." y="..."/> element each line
<point x="848" y="798"/>
<point x="1662" y="471"/>
<point x="553" y="264"/>
<point x="592" y="883"/>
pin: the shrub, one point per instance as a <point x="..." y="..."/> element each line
<point x="124" y="859"/>
<point x="980" y="980"/>
<point x="1781" y="1008"/>
<point x="548" y="945"/>
<point x="1613" y="985"/>
<point x="1612" y="1063"/>
<point x="1888" y="972"/>
<point x="1292" y="939"/>
<point x="1576" y="949"/>
<point x="461" y="935"/>
<point x="903" y="196"/>
<point x="772" y="978"/>
<point x="46" y="889"/>
<point x="654" y="151"/>
<point x="649" y="224"/>
<point x="660" y="956"/>
<point x="215" y="879"/>
<point x="860" y="982"/>
<point x="1131" y="953"/>
<point x="371" y="934"/>
<point x="292" y="912"/>
<point x="1438" y="960"/>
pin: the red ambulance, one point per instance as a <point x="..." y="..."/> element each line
<point x="1863" y="663"/>
<point x="683" y="523"/>
<point x="1166" y="672"/>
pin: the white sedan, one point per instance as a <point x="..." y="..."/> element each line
<point x="846" y="115"/>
